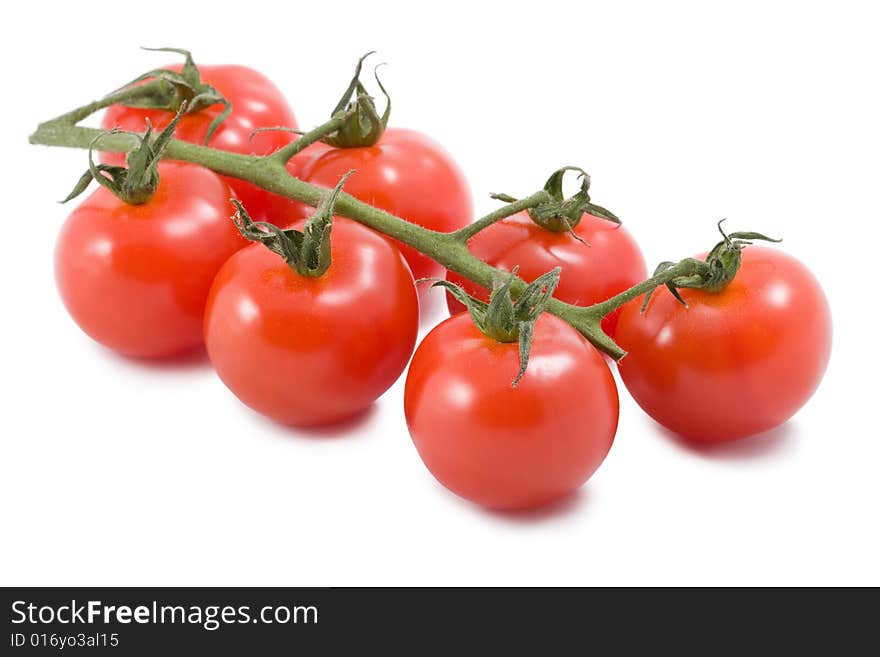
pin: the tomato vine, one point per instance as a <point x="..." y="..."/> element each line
<point x="269" y="172"/>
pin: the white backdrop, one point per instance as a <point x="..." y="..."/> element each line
<point x="117" y="473"/>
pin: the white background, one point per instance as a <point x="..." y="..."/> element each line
<point x="116" y="473"/>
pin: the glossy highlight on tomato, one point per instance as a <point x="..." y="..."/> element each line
<point x="733" y="363"/>
<point x="609" y="263"/>
<point x="504" y="447"/>
<point x="404" y="173"/>
<point x="256" y="103"/>
<point x="313" y="350"/>
<point x="136" y="277"/>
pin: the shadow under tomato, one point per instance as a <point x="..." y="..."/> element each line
<point x="346" y="428"/>
<point x="763" y="445"/>
<point x="195" y="359"/>
<point x="562" y="508"/>
<point x="343" y="428"/>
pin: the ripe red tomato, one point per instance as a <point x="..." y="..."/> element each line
<point x="504" y="447"/>
<point x="610" y="264"/>
<point x="313" y="350"/>
<point x="256" y="103"/>
<point x="735" y="362"/>
<point x="136" y="277"/>
<point x="404" y="173"/>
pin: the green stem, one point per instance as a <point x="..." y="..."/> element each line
<point x="270" y="173"/>
<point x="293" y="148"/>
<point x="123" y="95"/>
<point x="684" y="268"/>
<point x="464" y="234"/>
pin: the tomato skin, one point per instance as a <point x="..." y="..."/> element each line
<point x="505" y="447"/>
<point x="136" y="277"/>
<point x="590" y="274"/>
<point x="256" y="103"/>
<point x="735" y="363"/>
<point x="311" y="351"/>
<point x="405" y="173"/>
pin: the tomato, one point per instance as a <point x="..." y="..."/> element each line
<point x="609" y="262"/>
<point x="256" y="103"/>
<point x="504" y="447"/>
<point x="313" y="350"/>
<point x="733" y="363"/>
<point x="404" y="173"/>
<point x="136" y="277"/>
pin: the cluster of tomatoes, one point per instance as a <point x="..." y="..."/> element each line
<point x="164" y="276"/>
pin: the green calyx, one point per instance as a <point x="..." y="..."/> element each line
<point x="181" y="91"/>
<point x="715" y="272"/>
<point x="506" y="320"/>
<point x="363" y="126"/>
<point x="136" y="183"/>
<point x="307" y="252"/>
<point x="561" y="214"/>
